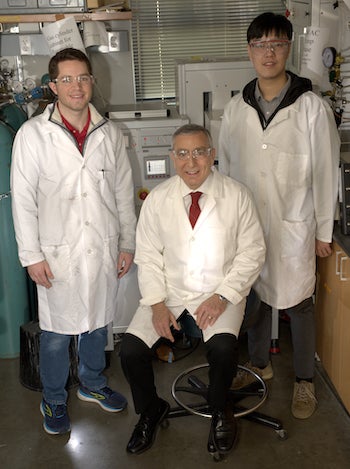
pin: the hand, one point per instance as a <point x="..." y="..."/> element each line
<point x="323" y="249"/>
<point x="40" y="273"/>
<point x="124" y="262"/>
<point x="162" y="319"/>
<point x="208" y="312"/>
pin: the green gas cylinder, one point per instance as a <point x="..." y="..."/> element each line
<point x="13" y="115"/>
<point x="14" y="302"/>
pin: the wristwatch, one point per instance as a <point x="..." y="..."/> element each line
<point x="222" y="298"/>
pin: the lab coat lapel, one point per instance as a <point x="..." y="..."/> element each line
<point x="281" y="116"/>
<point x="174" y="204"/>
<point x="92" y="144"/>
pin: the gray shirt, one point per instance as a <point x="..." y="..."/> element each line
<point x="269" y="107"/>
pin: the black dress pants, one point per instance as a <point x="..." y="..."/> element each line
<point x="136" y="359"/>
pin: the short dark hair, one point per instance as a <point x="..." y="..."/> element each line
<point x="193" y="129"/>
<point x="267" y="23"/>
<point x="67" y="54"/>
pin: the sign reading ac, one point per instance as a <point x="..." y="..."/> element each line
<point x="315" y="32"/>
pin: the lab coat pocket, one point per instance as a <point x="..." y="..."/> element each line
<point x="58" y="258"/>
<point x="298" y="240"/>
<point x="292" y="169"/>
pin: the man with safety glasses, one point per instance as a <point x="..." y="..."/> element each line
<point x="280" y="139"/>
<point x="73" y="210"/>
<point x="199" y="248"/>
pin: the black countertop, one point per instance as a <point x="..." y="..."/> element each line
<point x="341" y="239"/>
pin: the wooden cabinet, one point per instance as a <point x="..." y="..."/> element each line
<point x="333" y="319"/>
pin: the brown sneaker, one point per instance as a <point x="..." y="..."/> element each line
<point x="244" y="378"/>
<point x="304" y="401"/>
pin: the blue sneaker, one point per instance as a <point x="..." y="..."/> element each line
<point x="108" y="399"/>
<point x="56" y="420"/>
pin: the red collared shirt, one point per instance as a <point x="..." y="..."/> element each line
<point x="79" y="136"/>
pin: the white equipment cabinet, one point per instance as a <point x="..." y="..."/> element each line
<point x="204" y="87"/>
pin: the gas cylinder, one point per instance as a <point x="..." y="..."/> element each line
<point x="13" y="115"/>
<point x="14" y="300"/>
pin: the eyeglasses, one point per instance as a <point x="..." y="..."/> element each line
<point x="68" y="80"/>
<point x="197" y="153"/>
<point x="278" y="46"/>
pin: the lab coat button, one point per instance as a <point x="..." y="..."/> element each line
<point x="84" y="194"/>
<point x="87" y="223"/>
<point x="264" y="146"/>
<point x="89" y="251"/>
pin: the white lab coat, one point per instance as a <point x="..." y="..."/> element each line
<point x="75" y="211"/>
<point x="292" y="169"/>
<point x="223" y="253"/>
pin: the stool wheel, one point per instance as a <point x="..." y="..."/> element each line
<point x="164" y="424"/>
<point x="282" y="434"/>
<point x="200" y="388"/>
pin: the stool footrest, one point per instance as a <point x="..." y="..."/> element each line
<point x="181" y="412"/>
<point x="199" y="387"/>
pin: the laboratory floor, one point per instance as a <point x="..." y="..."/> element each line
<point x="98" y="438"/>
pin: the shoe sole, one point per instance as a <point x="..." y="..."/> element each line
<point x="86" y="398"/>
<point x="48" y="429"/>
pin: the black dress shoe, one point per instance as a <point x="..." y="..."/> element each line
<point x="223" y="432"/>
<point x="145" y="430"/>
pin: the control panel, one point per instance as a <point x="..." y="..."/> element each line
<point x="149" y="142"/>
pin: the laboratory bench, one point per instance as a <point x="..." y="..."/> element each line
<point x="333" y="314"/>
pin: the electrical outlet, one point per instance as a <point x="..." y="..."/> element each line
<point x="25" y="45"/>
<point x="114" y="41"/>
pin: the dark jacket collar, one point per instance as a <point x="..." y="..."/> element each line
<point x="298" y="86"/>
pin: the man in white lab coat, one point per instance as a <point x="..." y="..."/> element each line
<point x="280" y="139"/>
<point x="204" y="268"/>
<point x="74" y="219"/>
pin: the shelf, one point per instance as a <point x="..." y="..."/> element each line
<point x="51" y="18"/>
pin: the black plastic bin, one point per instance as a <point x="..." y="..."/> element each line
<point x="29" y="358"/>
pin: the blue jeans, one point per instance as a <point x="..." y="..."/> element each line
<point x="55" y="362"/>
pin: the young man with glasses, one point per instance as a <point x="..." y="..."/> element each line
<point x="280" y="139"/>
<point x="73" y="210"/>
<point x="199" y="248"/>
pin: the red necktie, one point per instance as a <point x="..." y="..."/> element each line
<point x="195" y="208"/>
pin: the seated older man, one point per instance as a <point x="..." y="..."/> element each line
<point x="199" y="248"/>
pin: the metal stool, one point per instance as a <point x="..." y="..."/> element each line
<point x="193" y="383"/>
